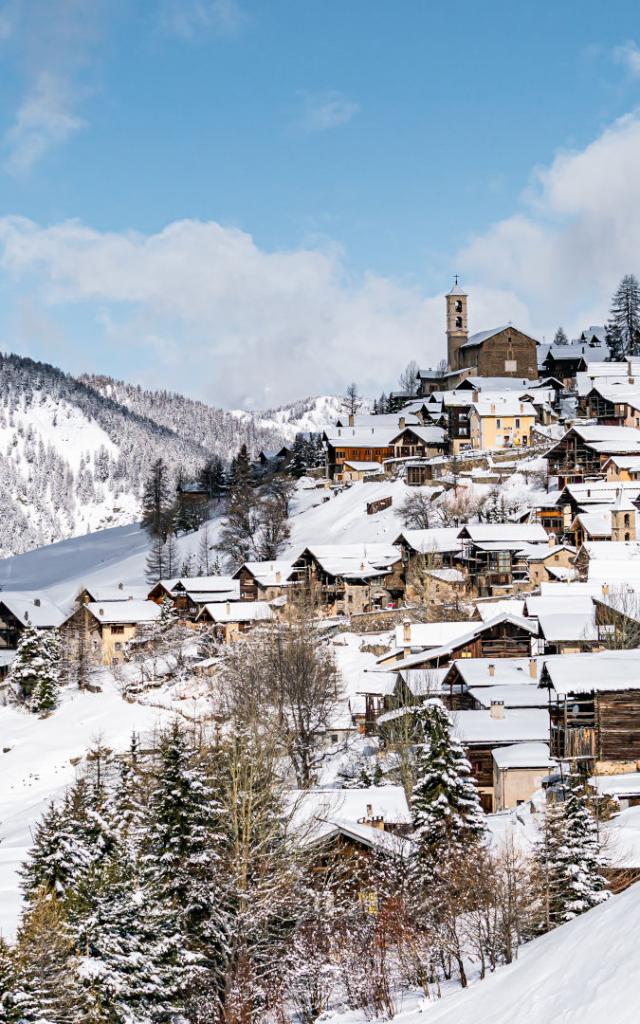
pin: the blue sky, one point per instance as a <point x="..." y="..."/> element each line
<point x="279" y="192"/>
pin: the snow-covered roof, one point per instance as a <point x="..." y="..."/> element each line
<point x="481" y="336"/>
<point x="389" y="802"/>
<point x="595" y="524"/>
<point x="612" y="550"/>
<point x="523" y="755"/>
<point x="497" y="384"/>
<point x="520" y="724"/>
<point x="569" y="626"/>
<point x="363" y="467"/>
<point x="482" y="533"/>
<point x="593" y="432"/>
<point x="601" y="492"/>
<point x="353" y="437"/>
<point x="475" y="628"/>
<point x="626" y="393"/>
<point x="121" y="592"/>
<point x="205" y="584"/>
<point x="624" y="461"/>
<point x="438" y="540"/>
<point x="240" y="611"/>
<point x="504" y="407"/>
<point x="428" y="435"/>
<point x="420" y="681"/>
<point x="124" y="612"/>
<point x="431" y="634"/>
<point x="512" y="695"/>
<point x="490" y="672"/>
<point x="355" y="561"/>
<point x="446" y="575"/>
<point x="489" y="609"/>
<point x="213" y="596"/>
<point x="625" y="785"/>
<point x="268" y="574"/>
<point x="592" y="673"/>
<point x="32" y="608"/>
<point x="549" y="604"/>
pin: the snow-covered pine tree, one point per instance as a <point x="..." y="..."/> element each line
<point x="46" y="989"/>
<point x="9" y="1013"/>
<point x="579" y="858"/>
<point x="181" y="854"/>
<point x="446" y="811"/>
<point x="35" y="670"/>
<point x="133" y="967"/>
<point x="623" y="328"/>
<point x="560" y="337"/>
<point x="157" y="501"/>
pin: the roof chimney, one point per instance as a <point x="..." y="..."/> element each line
<point x="100" y="611"/>
<point x="497" y="709"/>
<point x="120" y="586"/>
<point x="493" y="408"/>
<point x="228" y="608"/>
<point x="402" y="423"/>
<point x="533" y="668"/>
<point x="492" y="669"/>
<point x="352" y="421"/>
<point x="605" y="589"/>
<point x="26" y="616"/>
<point x="551" y="540"/>
<point x="36" y="601"/>
<point x="406" y="631"/>
<point x="278" y="576"/>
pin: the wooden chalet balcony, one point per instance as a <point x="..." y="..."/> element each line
<point x="579" y="741"/>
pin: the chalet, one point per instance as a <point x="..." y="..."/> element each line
<point x="501" y="424"/>
<point x="356" y="472"/>
<point x="495" y="554"/>
<point x="263" y="581"/>
<point x="504" y="636"/>
<point x="467" y="678"/>
<point x="429" y="381"/>
<point x="564" y="361"/>
<point x="622" y="468"/>
<point x="615" y="405"/>
<point x="583" y="451"/>
<point x="189" y="594"/>
<point x="231" y="620"/>
<point x="359" y="444"/>
<point x="420" y="442"/>
<point x="594" y="704"/>
<point x="109" y="625"/>
<point x="440" y="546"/>
<point x="569" y="632"/>
<point x="518" y="771"/>
<point x="347" y="578"/>
<point x="553" y="564"/>
<point x="415" y="637"/>
<point x="483" y="732"/>
<point x="23" y="609"/>
<point x="616" y="522"/>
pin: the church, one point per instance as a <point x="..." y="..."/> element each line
<point x="500" y="352"/>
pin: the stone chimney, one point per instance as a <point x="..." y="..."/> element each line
<point x="493" y="408"/>
<point x="228" y="607"/>
<point x="352" y="420"/>
<point x="402" y="423"/>
<point x="497" y="709"/>
<point x="120" y="586"/>
<point x="36" y="601"/>
<point x="605" y="589"/>
<point x="492" y="669"/>
<point x="406" y="631"/>
<point x="373" y="820"/>
<point x="533" y="668"/>
<point x="552" y="540"/>
<point x="278" y="577"/>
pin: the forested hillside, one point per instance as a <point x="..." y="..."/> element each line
<point x="76" y="452"/>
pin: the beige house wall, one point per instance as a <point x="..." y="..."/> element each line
<point x="113" y="639"/>
<point x="514" y="785"/>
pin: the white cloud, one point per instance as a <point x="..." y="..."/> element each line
<point x="577" y="235"/>
<point x="205" y="310"/>
<point x="628" y="54"/>
<point x="325" y="110"/>
<point x="189" y="18"/>
<point x="45" y="119"/>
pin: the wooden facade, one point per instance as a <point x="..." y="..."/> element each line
<point x="342" y="596"/>
<point x="601" y="729"/>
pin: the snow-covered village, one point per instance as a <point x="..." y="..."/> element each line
<point x="319" y="514"/>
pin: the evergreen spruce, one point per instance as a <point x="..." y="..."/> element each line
<point x="623" y="328"/>
<point x="560" y="337"/>
<point x="157" y="501"/>
<point x="446" y="811"/>
<point x="9" y="1013"/>
<point x="35" y="671"/>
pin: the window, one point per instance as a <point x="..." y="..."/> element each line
<point x="498" y="424"/>
<point x="627" y="521"/>
<point x="118" y="646"/>
<point x="510" y="366"/>
<point x="458" y="306"/>
<point x="117" y="629"/>
<point x="517" y="424"/>
<point x="458" y="321"/>
<point x="334" y="737"/>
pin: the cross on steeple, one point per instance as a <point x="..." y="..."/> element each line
<point x="456" y="277"/>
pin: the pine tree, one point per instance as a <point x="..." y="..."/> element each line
<point x="35" y="671"/>
<point x="446" y="811"/>
<point x="298" y="464"/>
<point x="623" y="328"/>
<point x="560" y="337"/>
<point x="213" y="478"/>
<point x="567" y="860"/>
<point x="157" y="501"/>
<point x="9" y="1012"/>
<point x="46" y="989"/>
<point x="181" y="855"/>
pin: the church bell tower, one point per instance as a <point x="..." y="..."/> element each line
<point x="457" y="324"/>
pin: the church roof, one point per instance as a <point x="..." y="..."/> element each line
<point x="481" y="336"/>
<point x="457" y="290"/>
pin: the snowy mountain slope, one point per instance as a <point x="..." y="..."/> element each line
<point x="308" y="414"/>
<point x="74" y="454"/>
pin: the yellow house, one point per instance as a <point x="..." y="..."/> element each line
<point x="503" y="423"/>
<point x="109" y="625"/>
<point x="518" y="771"/>
<point x="621" y="468"/>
